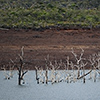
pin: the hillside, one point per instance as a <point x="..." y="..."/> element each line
<point x="80" y="4"/>
<point x="36" y="14"/>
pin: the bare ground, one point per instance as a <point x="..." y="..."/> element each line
<point x="38" y="44"/>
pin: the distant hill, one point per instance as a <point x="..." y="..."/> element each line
<point x="79" y="4"/>
<point x="49" y="13"/>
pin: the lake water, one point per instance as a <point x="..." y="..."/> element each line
<point x="9" y="89"/>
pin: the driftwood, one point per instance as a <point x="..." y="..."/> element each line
<point x="84" y="74"/>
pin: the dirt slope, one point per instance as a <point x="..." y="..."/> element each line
<point x="38" y="44"/>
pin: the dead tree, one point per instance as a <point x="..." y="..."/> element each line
<point x="39" y="73"/>
<point x="46" y="68"/>
<point x="5" y="72"/>
<point x="68" y="65"/>
<point x="98" y="62"/>
<point x="83" y="67"/>
<point x="36" y="70"/>
<point x="54" y="73"/>
<point x="94" y="60"/>
<point x="8" y="74"/>
<point x="12" y="67"/>
<point x="73" y="72"/>
<point x="20" y="68"/>
<point x="78" y="60"/>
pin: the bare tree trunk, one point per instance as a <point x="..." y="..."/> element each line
<point x="46" y="73"/>
<point x="90" y="76"/>
<point x="19" y="78"/>
<point x="94" y="75"/>
<point x="46" y="76"/>
<point x="20" y="72"/>
<point x="36" y="74"/>
<point x="78" y="74"/>
<point x="84" y="75"/>
<point x="37" y="80"/>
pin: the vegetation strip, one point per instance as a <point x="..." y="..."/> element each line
<point x="34" y="14"/>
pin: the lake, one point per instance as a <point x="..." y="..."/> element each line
<point x="9" y="89"/>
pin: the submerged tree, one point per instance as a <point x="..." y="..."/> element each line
<point x="20" y="68"/>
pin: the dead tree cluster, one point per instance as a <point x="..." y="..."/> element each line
<point x="51" y="73"/>
<point x="18" y="64"/>
<point x="73" y="71"/>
